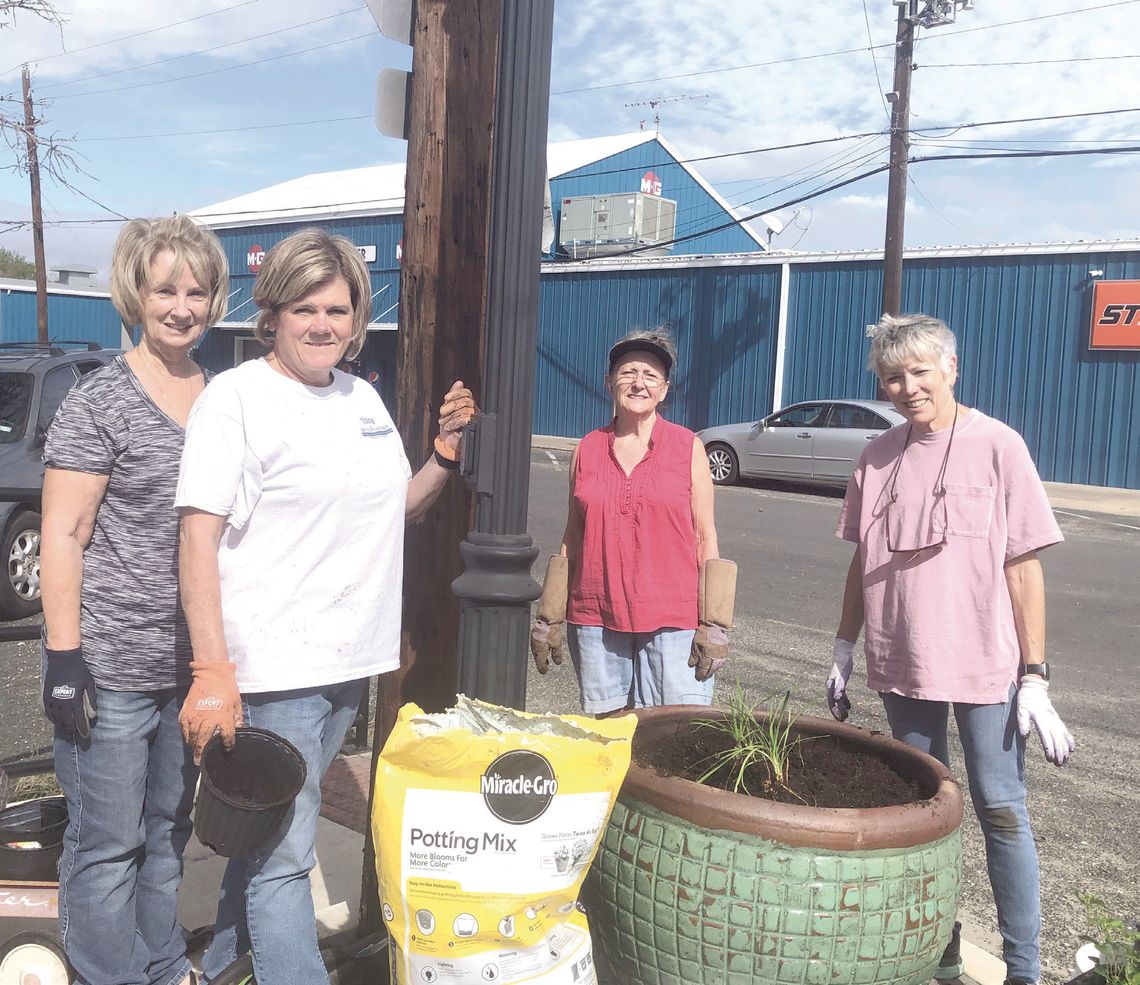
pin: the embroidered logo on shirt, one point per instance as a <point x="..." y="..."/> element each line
<point x="369" y="428"/>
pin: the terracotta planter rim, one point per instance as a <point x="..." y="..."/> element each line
<point x="834" y="829"/>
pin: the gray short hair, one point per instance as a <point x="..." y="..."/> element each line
<point x="899" y="338"/>
<point x="142" y="240"/>
<point x="303" y="263"/>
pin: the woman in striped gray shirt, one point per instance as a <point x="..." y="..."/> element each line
<point x="116" y="647"/>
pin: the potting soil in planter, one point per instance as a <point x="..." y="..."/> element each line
<point x="486" y="820"/>
<point x="822" y="771"/>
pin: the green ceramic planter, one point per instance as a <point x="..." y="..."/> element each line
<point x="696" y="886"/>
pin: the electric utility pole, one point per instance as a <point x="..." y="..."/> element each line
<point x="899" y="99"/>
<point x="469" y="284"/>
<point x="911" y="15"/>
<point x="37" y="210"/>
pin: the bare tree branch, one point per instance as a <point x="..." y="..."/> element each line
<point x="43" y="9"/>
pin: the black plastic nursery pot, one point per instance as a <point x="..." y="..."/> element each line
<point x="31" y="840"/>
<point x="245" y="793"/>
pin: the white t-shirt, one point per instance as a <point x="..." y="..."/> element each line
<point x="313" y="483"/>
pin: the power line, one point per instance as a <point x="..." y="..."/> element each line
<point x="1039" y="17"/>
<point x="829" y="54"/>
<point x="717" y="71"/>
<point x="1132" y="149"/>
<point x="875" y="61"/>
<point x="927" y="131"/>
<point x="790" y="203"/>
<point x="1029" y="61"/>
<point x="216" y="71"/>
<point x="137" y="34"/>
<point x="200" y="51"/>
<point x="1032" y="119"/>
<point x="202" y="133"/>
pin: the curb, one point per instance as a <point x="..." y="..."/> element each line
<point x="981" y="966"/>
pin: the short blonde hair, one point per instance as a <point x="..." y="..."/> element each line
<point x="897" y="339"/>
<point x="139" y="244"/>
<point x="305" y="262"/>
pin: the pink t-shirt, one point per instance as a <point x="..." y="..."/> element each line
<point x="638" y="569"/>
<point x="939" y="622"/>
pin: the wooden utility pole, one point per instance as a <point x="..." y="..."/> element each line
<point x="900" y="151"/>
<point x="37" y="210"/>
<point x="443" y="283"/>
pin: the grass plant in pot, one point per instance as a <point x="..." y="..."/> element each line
<point x="813" y="852"/>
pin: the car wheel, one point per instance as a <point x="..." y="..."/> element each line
<point x="33" y="958"/>
<point x="20" y="589"/>
<point x="723" y="465"/>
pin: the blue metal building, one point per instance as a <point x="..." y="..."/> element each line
<point x="757" y="332"/>
<point x="366" y="205"/>
<point x="73" y="313"/>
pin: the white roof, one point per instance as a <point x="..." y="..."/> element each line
<point x="29" y="287"/>
<point x="635" y="261"/>
<point x="379" y="189"/>
<point x="376" y="190"/>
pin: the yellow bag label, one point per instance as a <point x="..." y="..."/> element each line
<point x="485" y="822"/>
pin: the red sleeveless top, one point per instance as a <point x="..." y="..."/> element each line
<point x="638" y="570"/>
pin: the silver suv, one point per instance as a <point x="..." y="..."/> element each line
<point x="34" y="379"/>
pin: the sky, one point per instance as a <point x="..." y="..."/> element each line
<point x="174" y="107"/>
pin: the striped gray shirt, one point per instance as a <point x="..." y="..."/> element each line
<point x="131" y="622"/>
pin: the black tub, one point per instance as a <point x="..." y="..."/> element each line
<point x="38" y="825"/>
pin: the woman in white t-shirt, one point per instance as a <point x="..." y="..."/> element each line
<point x="294" y="493"/>
<point x="948" y="514"/>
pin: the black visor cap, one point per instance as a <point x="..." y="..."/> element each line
<point x="641" y="345"/>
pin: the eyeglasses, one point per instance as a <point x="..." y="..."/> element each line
<point x="627" y="377"/>
<point x="920" y="536"/>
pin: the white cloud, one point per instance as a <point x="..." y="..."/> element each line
<point x="606" y="56"/>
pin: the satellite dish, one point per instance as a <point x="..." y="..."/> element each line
<point x="773" y="223"/>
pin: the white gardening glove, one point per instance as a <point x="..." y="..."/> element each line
<point x="843" y="655"/>
<point x="1035" y="710"/>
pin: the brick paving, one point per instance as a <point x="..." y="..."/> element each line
<point x="344" y="791"/>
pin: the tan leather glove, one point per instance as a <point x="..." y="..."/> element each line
<point x="716" y="597"/>
<point x="546" y="634"/>
<point x="458" y="408"/>
<point x="213" y="704"/>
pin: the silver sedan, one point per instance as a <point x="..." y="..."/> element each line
<point x="814" y="441"/>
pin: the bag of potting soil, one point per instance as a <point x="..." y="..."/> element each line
<point x="485" y="821"/>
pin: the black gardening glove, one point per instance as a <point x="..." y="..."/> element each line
<point x="69" y="691"/>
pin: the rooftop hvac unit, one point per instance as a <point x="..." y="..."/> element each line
<point x="604" y="225"/>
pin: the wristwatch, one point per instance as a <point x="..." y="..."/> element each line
<point x="1041" y="670"/>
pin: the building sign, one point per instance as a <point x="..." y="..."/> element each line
<point x="650" y="184"/>
<point x="368" y="252"/>
<point x="253" y="257"/>
<point x="1115" y="315"/>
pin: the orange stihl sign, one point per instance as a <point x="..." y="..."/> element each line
<point x="1115" y="315"/>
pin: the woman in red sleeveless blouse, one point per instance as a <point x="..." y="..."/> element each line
<point x="639" y="527"/>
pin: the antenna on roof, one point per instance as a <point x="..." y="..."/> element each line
<point x="654" y="103"/>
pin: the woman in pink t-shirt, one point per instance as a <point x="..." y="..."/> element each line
<point x="948" y="514"/>
<point x="638" y="577"/>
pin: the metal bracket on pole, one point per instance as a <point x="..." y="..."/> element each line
<point x="477" y="461"/>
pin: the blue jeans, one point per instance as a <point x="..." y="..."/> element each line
<point x="129" y="790"/>
<point x="635" y="670"/>
<point x="994" y="755"/>
<point x="266" y="905"/>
